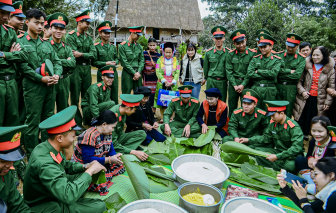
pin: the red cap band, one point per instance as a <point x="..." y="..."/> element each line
<point x="241" y="35"/>
<point x="293" y="41"/>
<point x="131" y="104"/>
<point x="8" y="145"/>
<point x="266" y="41"/>
<point x="185" y="91"/>
<point x="58" y="22"/>
<point x="135" y="31"/>
<point x="7" y="2"/>
<point x="333" y="139"/>
<point x="45" y="23"/>
<point x="219" y="32"/>
<point x="251" y="97"/>
<point x="80" y="18"/>
<point x="104" y="28"/>
<point x="276" y="109"/>
<point x="17" y="11"/>
<point x="63" y="128"/>
<point x="107" y="71"/>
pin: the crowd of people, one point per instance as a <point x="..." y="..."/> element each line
<point x="286" y="97"/>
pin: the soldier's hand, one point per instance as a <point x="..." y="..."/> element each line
<point x="271" y="157"/>
<point x="240" y="88"/>
<point x="167" y="130"/>
<point x="155" y="125"/>
<point x="109" y="63"/>
<point x="115" y="160"/>
<point x="47" y="79"/>
<point x="68" y="58"/>
<point x="77" y="54"/>
<point x="147" y="126"/>
<point x="95" y="168"/>
<point x="292" y="71"/>
<point x="243" y="140"/>
<point x="235" y="88"/>
<point x="186" y="131"/>
<point x="256" y="71"/>
<point x="15" y="47"/>
<point x="139" y="154"/>
<point x="236" y="140"/>
<point x="56" y="78"/>
<point x="204" y="128"/>
<point x="114" y="63"/>
<point x="136" y="76"/>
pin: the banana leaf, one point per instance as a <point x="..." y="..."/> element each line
<point x="175" y="150"/>
<point x="114" y="202"/>
<point x="217" y="137"/>
<point x="156" y="187"/>
<point x="110" y="211"/>
<point x="99" y="177"/>
<point x="206" y="138"/>
<point x="158" y="180"/>
<point x="206" y="150"/>
<point x="157" y="147"/>
<point x="234" y="158"/>
<point x="159" y="174"/>
<point x="260" y="173"/>
<point x="187" y="141"/>
<point x="238" y="176"/>
<point x="170" y="139"/>
<point x="238" y="148"/>
<point x="137" y="176"/>
<point x="146" y="164"/>
<point x="158" y="159"/>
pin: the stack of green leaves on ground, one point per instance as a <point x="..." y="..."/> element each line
<point x="114" y="203"/>
<point x="99" y="178"/>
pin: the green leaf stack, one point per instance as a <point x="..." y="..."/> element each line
<point x="238" y="148"/>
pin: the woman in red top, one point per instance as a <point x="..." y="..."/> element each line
<point x="312" y="98"/>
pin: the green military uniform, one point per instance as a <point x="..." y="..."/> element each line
<point x="132" y="61"/>
<point x="97" y="98"/>
<point x="287" y="81"/>
<point x="184" y="114"/>
<point x="64" y="53"/>
<point x="236" y="68"/>
<point x="126" y="142"/>
<point x="286" y="139"/>
<point x="38" y="97"/>
<point x="81" y="80"/>
<point x="107" y="52"/>
<point x="260" y="31"/>
<point x="265" y="78"/>
<point x="53" y="180"/>
<point x="251" y="126"/>
<point x="10" y="150"/>
<point x="214" y="65"/>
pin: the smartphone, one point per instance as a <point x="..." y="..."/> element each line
<point x="289" y="177"/>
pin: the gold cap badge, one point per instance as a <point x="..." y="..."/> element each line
<point x="60" y="18"/>
<point x="186" y="89"/>
<point x="218" y="30"/>
<point x="332" y="133"/>
<point x="16" y="137"/>
<point x="238" y="33"/>
<point x="20" y="8"/>
<point x="107" y="24"/>
<point x="88" y="13"/>
<point x="293" y="37"/>
<point x="248" y="93"/>
<point x="262" y="38"/>
<point x="111" y="69"/>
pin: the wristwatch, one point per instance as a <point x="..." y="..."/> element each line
<point x="2" y="55"/>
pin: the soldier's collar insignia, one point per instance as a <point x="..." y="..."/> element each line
<point x="16" y="137"/>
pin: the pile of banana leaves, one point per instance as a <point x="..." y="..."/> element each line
<point x="244" y="169"/>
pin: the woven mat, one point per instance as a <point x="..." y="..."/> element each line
<point x="123" y="186"/>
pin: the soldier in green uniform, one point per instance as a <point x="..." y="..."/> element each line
<point x="51" y="180"/>
<point x="263" y="70"/>
<point x="292" y="66"/>
<point x="40" y="74"/>
<point x="46" y="30"/>
<point x="17" y="18"/>
<point x="247" y="124"/>
<point x="58" y="22"/>
<point x="237" y="63"/>
<point x="186" y="109"/>
<point x="285" y="136"/>
<point x="132" y="61"/>
<point x="260" y="31"/>
<point x="107" y="55"/>
<point x="98" y="96"/>
<point x="128" y="143"/>
<point x="215" y="62"/>
<point x="84" y="51"/>
<point x="11" y="151"/>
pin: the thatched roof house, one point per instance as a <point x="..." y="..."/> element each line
<point x="163" y="18"/>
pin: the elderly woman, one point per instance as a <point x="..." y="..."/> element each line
<point x="312" y="98"/>
<point x="192" y="70"/>
<point x="96" y="144"/>
<point x="148" y="74"/>
<point x="324" y="179"/>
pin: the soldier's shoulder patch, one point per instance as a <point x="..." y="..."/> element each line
<point x="237" y="111"/>
<point x="278" y="57"/>
<point x="252" y="50"/>
<point x="272" y="51"/>
<point x="195" y="101"/>
<point x="232" y="50"/>
<point x="20" y="36"/>
<point x="175" y="99"/>
<point x="71" y="32"/>
<point x="122" y="43"/>
<point x="209" y="49"/>
<point x="9" y="26"/>
<point x="302" y="55"/>
<point x="291" y="124"/>
<point x="96" y="43"/>
<point x="261" y="112"/>
<point x="280" y="52"/>
<point x="256" y="56"/>
<point x="99" y="84"/>
<point x="271" y="121"/>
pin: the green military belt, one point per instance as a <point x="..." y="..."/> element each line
<point x="83" y="63"/>
<point x="7" y="77"/>
<point x="218" y="79"/>
<point x="265" y="85"/>
<point x="287" y="83"/>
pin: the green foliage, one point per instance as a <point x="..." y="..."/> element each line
<point x="260" y="173"/>
<point x="206" y="138"/>
<point x="234" y="158"/>
<point x="158" y="159"/>
<point x="99" y="178"/>
<point x="143" y="42"/>
<point x="175" y="150"/>
<point x="157" y="147"/>
<point x="238" y="148"/>
<point x="114" y="203"/>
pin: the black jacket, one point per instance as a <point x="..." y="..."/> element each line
<point x="134" y="122"/>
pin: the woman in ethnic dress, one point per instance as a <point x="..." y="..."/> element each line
<point x="96" y="144"/>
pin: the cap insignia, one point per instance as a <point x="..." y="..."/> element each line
<point x="262" y="38"/>
<point x="16" y="137"/>
<point x="248" y="93"/>
<point x="261" y="32"/>
<point x="238" y="33"/>
<point x="60" y="18"/>
<point x="332" y="133"/>
<point x="88" y="13"/>
<point x="107" y="24"/>
<point x="218" y="29"/>
<point x="186" y="89"/>
<point x="20" y="8"/>
<point x="111" y="69"/>
<point x="293" y="37"/>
